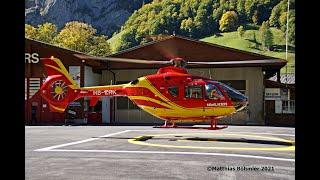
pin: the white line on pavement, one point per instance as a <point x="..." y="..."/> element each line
<point x="173" y="152"/>
<point x="79" y="142"/>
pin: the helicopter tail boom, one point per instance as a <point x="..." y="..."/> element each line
<point x="59" y="89"/>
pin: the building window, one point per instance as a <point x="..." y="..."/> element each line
<point x="34" y="86"/>
<point x="284" y="106"/>
<point x="193" y="92"/>
<point x="25" y="88"/>
<point x="174" y="91"/>
<point x="288" y="107"/>
<point x="212" y="92"/>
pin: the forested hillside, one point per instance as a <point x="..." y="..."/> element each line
<point x="253" y="25"/>
<point x="201" y="18"/>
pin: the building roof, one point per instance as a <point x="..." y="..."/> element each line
<point x="274" y="84"/>
<point x="193" y="50"/>
<point x="64" y="54"/>
<point x="285" y="78"/>
<point x="165" y="49"/>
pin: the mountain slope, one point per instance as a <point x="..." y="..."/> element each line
<point x="106" y="16"/>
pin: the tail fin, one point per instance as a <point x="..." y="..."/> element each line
<point x="59" y="89"/>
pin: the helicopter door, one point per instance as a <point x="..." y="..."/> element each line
<point x="194" y="96"/>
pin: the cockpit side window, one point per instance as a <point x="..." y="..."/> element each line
<point x="174" y="91"/>
<point x="212" y="92"/>
<point x="193" y="92"/>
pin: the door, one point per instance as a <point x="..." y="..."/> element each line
<point x="34" y="113"/>
<point x="213" y="96"/>
<point x="194" y="96"/>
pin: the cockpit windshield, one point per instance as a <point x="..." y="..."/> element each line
<point x="232" y="93"/>
<point x="239" y="100"/>
<point x="212" y="92"/>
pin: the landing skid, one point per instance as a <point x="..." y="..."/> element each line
<point x="213" y="126"/>
<point x="188" y="127"/>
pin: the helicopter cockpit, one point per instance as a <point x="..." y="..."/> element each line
<point x="213" y="91"/>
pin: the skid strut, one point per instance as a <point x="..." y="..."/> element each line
<point x="173" y="125"/>
<point x="213" y="125"/>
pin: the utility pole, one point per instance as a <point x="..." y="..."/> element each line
<point x="287" y="30"/>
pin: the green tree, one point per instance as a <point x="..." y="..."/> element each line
<point x="266" y="35"/>
<point x="255" y="17"/>
<point x="127" y="40"/>
<point x="249" y="6"/>
<point x="76" y="36"/>
<point x="46" y="32"/>
<point x="291" y="31"/>
<point x="216" y="16"/>
<point x="241" y="10"/>
<point x="100" y="46"/>
<point x="254" y="39"/>
<point x="203" y="18"/>
<point x="291" y="24"/>
<point x="187" y="27"/>
<point x="30" y="31"/>
<point x="228" y="21"/>
<point x="277" y="11"/>
<point x="283" y="21"/>
<point x="240" y="31"/>
<point x="232" y="4"/>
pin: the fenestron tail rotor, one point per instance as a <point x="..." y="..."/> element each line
<point x="59" y="90"/>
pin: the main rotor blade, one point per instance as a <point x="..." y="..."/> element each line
<point x="234" y="62"/>
<point x="121" y="60"/>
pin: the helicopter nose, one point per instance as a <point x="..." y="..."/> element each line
<point x="239" y="100"/>
<point x="240" y="103"/>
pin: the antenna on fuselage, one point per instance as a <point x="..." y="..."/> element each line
<point x="210" y="74"/>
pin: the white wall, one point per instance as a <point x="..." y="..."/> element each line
<point x="90" y="78"/>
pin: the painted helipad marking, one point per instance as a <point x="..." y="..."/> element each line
<point x="173" y="152"/>
<point x="54" y="149"/>
<point x="144" y="143"/>
<point x="79" y="142"/>
<point x="290" y="135"/>
<point x="217" y="132"/>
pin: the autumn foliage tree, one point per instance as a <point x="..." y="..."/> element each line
<point x="266" y="36"/>
<point x="228" y="21"/>
<point x="46" y="32"/>
<point x="30" y="31"/>
<point x="74" y="35"/>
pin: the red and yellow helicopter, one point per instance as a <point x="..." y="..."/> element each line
<point x="172" y="94"/>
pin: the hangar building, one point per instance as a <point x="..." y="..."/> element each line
<point x="247" y="78"/>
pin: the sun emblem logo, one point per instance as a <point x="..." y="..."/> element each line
<point x="59" y="90"/>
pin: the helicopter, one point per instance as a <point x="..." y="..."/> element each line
<point x="172" y="94"/>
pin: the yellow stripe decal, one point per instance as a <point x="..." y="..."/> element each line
<point x="75" y="85"/>
<point x="288" y="148"/>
